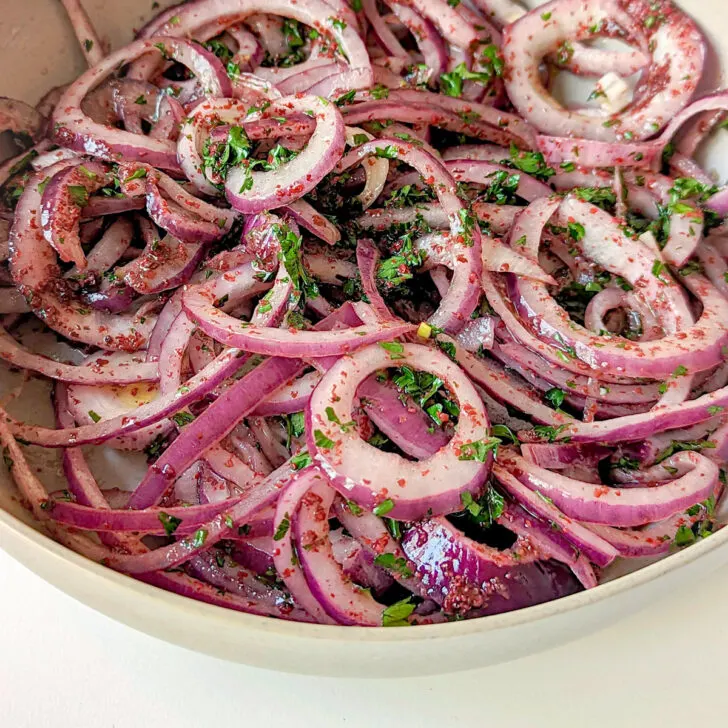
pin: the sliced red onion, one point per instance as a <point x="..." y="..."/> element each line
<point x="594" y="547"/>
<point x="617" y="506"/>
<point x="462" y="296"/>
<point x="37" y="276"/>
<point x="337" y="24"/>
<point x="548" y="541"/>
<point x="307" y="217"/>
<point x="259" y="598"/>
<point x="479" y="172"/>
<point x="113" y="244"/>
<point x="19" y="118"/>
<point x="342" y="600"/>
<point x="292" y="343"/>
<point x="72" y="128"/>
<point x="277" y="188"/>
<point x="463" y="575"/>
<point x="405" y="424"/>
<point x="426" y="36"/>
<point x="85" y="32"/>
<point x="408" y="489"/>
<point x="376" y="170"/>
<point x="164" y="265"/>
<point x="367" y="258"/>
<point x="593" y="153"/>
<point x="285" y="556"/>
<point x="188" y="219"/>
<point x="663" y="92"/>
<point x="387" y="39"/>
<point x="64" y="197"/>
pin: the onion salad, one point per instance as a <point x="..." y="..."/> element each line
<point x="401" y="337"/>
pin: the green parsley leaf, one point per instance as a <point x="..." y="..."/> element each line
<point x="379" y="92"/>
<point x="603" y="197"/>
<point x="504" y="434"/>
<point x="78" y="195"/>
<point x="532" y="163"/>
<point x="301" y="461"/>
<point x="183" y="418"/>
<point x="393" y="563"/>
<point x="396" y="615"/>
<point x="684" y="536"/>
<point x="170" y="523"/>
<point x="388" y="152"/>
<point x="322" y="441"/>
<point x="555" y="396"/>
<point x="658" y="269"/>
<point x="354" y="508"/>
<point x="486" y="510"/>
<point x="198" y="538"/>
<point x="139" y="173"/>
<point x="291" y="251"/>
<point x="448" y="348"/>
<point x="576" y="230"/>
<point x="480" y="449"/>
<point x="394" y="348"/>
<point x="548" y="432"/>
<point x="346" y="98"/>
<point x="384" y="507"/>
<point x="282" y="529"/>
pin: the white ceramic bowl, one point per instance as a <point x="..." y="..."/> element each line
<point x="38" y="51"/>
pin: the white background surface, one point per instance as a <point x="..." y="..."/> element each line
<point x="64" y="666"/>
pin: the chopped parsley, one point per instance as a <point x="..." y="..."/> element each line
<point x="290" y="254"/>
<point x="198" y="538"/>
<point x="486" y="510"/>
<point x="301" y="461"/>
<point x="393" y="563"/>
<point x="394" y="348"/>
<point x="603" y="197"/>
<point x="322" y="441"/>
<point x="183" y="418"/>
<point x="532" y="163"/>
<point x="549" y="433"/>
<point x="396" y="615"/>
<point x="138" y="173"/>
<point x="489" y="59"/>
<point x="480" y="449"/>
<point x="170" y="523"/>
<point x="384" y="507"/>
<point x="220" y="157"/>
<point x="555" y="397"/>
<point x="408" y="196"/>
<point x="388" y="152"/>
<point x="502" y="188"/>
<point x="78" y="195"/>
<point x="684" y="446"/>
<point x="282" y="529"/>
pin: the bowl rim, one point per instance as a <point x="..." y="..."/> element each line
<point x="288" y="629"/>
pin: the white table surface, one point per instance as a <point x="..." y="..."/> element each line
<point x="63" y="665"/>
